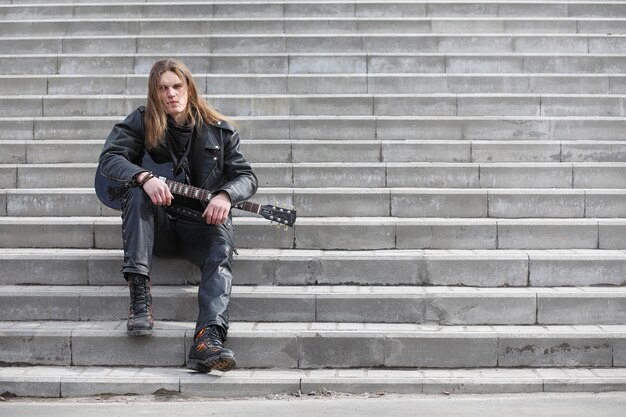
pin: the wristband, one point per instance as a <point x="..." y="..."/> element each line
<point x="146" y="179"/>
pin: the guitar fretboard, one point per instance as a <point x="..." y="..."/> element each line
<point x="187" y="190"/>
<point x="248" y="206"/>
<point x="204" y="195"/>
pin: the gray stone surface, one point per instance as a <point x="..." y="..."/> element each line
<point x="114" y="347"/>
<point x="477" y="268"/>
<point x="343" y="351"/>
<point x="14" y="152"/>
<point x="436" y="234"/>
<point x="536" y="204"/>
<point x="433" y="175"/>
<point x="593" y="151"/>
<point x="593" y="175"/>
<point x="447" y="350"/>
<point x="611" y="234"/>
<point x="525" y="175"/>
<point x="52" y="203"/>
<point x="78" y="381"/>
<point x="586" y="307"/>
<point x="336" y="151"/>
<point x="346" y="234"/>
<point x="529" y="234"/>
<point x="363" y="175"/>
<point x="395" y="129"/>
<point x="553" y="350"/>
<point x="571" y="268"/>
<point x="42" y="304"/>
<point x="426" y="151"/>
<point x="334" y="202"/>
<point x="37" y="345"/>
<point x="605" y="203"/>
<point x="439" y="203"/>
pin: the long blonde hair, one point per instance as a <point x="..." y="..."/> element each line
<point x="199" y="111"/>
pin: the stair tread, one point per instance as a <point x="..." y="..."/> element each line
<point x="120" y="372"/>
<point x="313" y="329"/>
<point x="338" y="291"/>
<point x="334" y="220"/>
<point x="65" y="381"/>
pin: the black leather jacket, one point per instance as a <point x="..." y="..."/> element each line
<point x="224" y="167"/>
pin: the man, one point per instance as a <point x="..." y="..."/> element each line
<point x="179" y="130"/>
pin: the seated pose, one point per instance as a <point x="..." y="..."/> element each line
<point x="179" y="130"/>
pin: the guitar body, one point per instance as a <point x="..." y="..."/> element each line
<point x="111" y="194"/>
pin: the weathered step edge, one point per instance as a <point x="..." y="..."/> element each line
<point x="68" y="382"/>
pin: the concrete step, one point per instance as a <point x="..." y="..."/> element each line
<point x="297" y="151"/>
<point x="359" y="202"/>
<point x="279" y="9"/>
<point x="365" y="175"/>
<point x="318" y="43"/>
<point x="342" y="233"/>
<point x="81" y="381"/>
<point x="348" y="127"/>
<point x="320" y="345"/>
<point x="432" y="305"/>
<point x="475" y="268"/>
<point x="476" y="104"/>
<point x="345" y="25"/>
<point x="404" y="83"/>
<point x="318" y="63"/>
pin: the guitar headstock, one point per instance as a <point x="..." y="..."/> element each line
<point x="280" y="215"/>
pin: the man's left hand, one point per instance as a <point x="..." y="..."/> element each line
<point x="218" y="208"/>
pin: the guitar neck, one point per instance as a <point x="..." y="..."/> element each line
<point x="185" y="190"/>
<point x="201" y="194"/>
<point x="248" y="206"/>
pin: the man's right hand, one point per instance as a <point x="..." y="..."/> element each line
<point x="156" y="189"/>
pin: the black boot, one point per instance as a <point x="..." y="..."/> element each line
<point x="140" y="320"/>
<point x="207" y="352"/>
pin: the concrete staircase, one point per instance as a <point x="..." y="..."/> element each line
<point x="459" y="171"/>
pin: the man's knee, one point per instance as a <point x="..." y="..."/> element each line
<point x="136" y="198"/>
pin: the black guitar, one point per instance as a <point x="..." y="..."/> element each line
<point x="110" y="193"/>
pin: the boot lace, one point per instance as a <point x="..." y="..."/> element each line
<point x="140" y="295"/>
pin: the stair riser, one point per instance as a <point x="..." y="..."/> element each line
<point x="336" y="106"/>
<point x="349" y="128"/>
<point x="521" y="269"/>
<point x="324" y="64"/>
<point x="286" y="151"/>
<point x="471" y="176"/>
<point x="348" y="235"/>
<point x="330" y="84"/>
<point x="423" y="43"/>
<point x="317" y="25"/>
<point x="381" y="203"/>
<point x="522" y="308"/>
<point x="310" y="9"/>
<point x="317" y="350"/>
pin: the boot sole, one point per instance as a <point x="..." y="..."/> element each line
<point x="221" y="363"/>
<point x="141" y="332"/>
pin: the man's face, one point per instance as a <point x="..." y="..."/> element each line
<point x="173" y="93"/>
